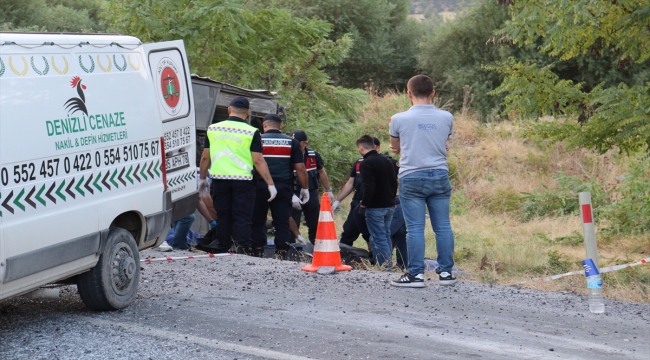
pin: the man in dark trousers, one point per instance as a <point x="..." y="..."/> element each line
<point x="232" y="148"/>
<point x="378" y="202"/>
<point x="283" y="155"/>
<point x="316" y="174"/>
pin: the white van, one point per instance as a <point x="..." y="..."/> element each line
<point x="97" y="154"/>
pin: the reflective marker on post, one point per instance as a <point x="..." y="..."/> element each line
<point x="586" y="214"/>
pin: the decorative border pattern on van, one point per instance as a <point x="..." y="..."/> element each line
<point x="77" y="187"/>
<point x="39" y="65"/>
<point x="177" y="180"/>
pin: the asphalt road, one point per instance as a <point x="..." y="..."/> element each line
<point x="239" y="307"/>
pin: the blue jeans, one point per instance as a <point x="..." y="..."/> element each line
<point x="430" y="188"/>
<point x="397" y="231"/>
<point x="181" y="227"/>
<point x="378" y="221"/>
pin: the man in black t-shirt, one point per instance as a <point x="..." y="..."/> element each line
<point x="378" y="202"/>
<point x="350" y="229"/>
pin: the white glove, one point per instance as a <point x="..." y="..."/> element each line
<point x="273" y="191"/>
<point x="304" y="196"/>
<point x="335" y="205"/>
<point x="295" y="202"/>
<point x="301" y="239"/>
<point x="203" y="185"/>
<point x="331" y="195"/>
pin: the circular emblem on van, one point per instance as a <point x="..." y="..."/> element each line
<point x="170" y="86"/>
<point x="169" y="78"/>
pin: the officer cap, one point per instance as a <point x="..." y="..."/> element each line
<point x="240" y="102"/>
<point x="299" y="135"/>
<point x="273" y="117"/>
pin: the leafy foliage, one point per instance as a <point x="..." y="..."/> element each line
<point x="570" y="28"/>
<point x="51" y="15"/>
<point x="536" y="91"/>
<point x="459" y="203"/>
<point x="454" y="52"/>
<point x="257" y="47"/>
<point x="613" y="110"/>
<point x="630" y="214"/>
<point x="385" y="40"/>
<point x="557" y="262"/>
<point x="562" y="200"/>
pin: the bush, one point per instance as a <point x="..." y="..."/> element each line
<point x="557" y="263"/>
<point x="563" y="200"/>
<point x="503" y="201"/>
<point x="631" y="213"/>
<point x="459" y="204"/>
<point x="538" y="161"/>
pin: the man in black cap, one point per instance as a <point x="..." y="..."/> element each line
<point x="378" y="203"/>
<point x="232" y="149"/>
<point x="316" y="174"/>
<point x="283" y="156"/>
<point x="350" y="229"/>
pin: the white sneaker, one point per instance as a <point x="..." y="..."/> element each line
<point x="408" y="280"/>
<point x="446" y="278"/>
<point x="164" y="247"/>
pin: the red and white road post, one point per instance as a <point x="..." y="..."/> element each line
<point x="588" y="227"/>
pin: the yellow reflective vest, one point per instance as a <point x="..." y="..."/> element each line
<point x="230" y="150"/>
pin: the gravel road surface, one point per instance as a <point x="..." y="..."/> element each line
<point x="239" y="307"/>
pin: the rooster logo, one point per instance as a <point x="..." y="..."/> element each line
<point x="77" y="104"/>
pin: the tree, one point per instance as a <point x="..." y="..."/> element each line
<point x="257" y="48"/>
<point x="51" y="15"/>
<point x="615" y="113"/>
<point x="385" y="40"/>
<point x="454" y="54"/>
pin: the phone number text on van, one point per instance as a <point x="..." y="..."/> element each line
<point x="44" y="169"/>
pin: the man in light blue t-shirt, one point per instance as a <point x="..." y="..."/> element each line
<point x="420" y="135"/>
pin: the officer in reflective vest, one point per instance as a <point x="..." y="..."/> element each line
<point x="283" y="155"/>
<point x="316" y="175"/>
<point x="232" y="148"/>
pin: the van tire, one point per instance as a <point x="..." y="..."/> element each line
<point x="98" y="288"/>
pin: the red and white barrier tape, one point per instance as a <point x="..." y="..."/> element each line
<point x="170" y="258"/>
<point x="602" y="270"/>
<point x="549" y="278"/>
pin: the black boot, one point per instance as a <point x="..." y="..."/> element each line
<point x="244" y="250"/>
<point x="211" y="250"/>
<point x="258" y="252"/>
<point x="281" y="254"/>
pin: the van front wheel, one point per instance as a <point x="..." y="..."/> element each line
<point x="113" y="282"/>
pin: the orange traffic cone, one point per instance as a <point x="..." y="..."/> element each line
<point x="326" y="249"/>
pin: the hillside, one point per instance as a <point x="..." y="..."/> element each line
<point x="515" y="212"/>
